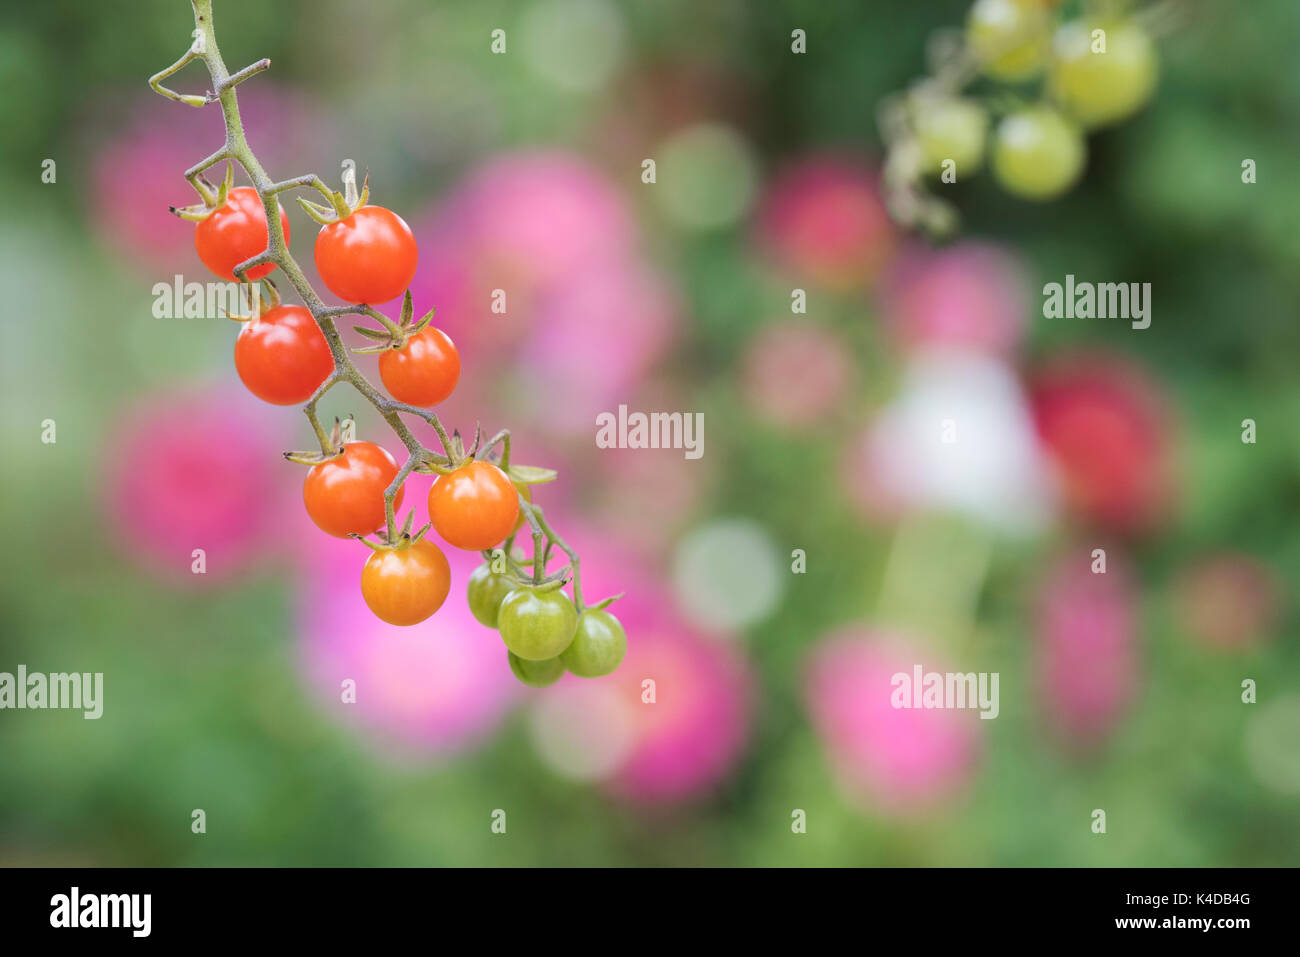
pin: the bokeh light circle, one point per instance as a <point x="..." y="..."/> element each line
<point x="727" y="575"/>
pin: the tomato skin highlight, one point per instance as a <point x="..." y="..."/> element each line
<point x="236" y="232"/>
<point x="282" y="357"/>
<point x="537" y="625"/>
<point x="474" y="507"/>
<point x="368" y="257"/>
<point x="405" y="586"/>
<point x="423" y="372"/>
<point x="345" y="496"/>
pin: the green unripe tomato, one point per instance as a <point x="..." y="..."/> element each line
<point x="1008" y="37"/>
<point x="1095" y="87"/>
<point x="1037" y="153"/>
<point x="598" y="645"/>
<point x="950" y="128"/>
<point x="485" y="593"/>
<point x="536" y="674"/>
<point x="537" y="624"/>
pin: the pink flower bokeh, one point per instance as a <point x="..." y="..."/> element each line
<point x="971" y="295"/>
<point x="796" y="373"/>
<point x="586" y="316"/>
<point x="823" y="218"/>
<point x="194" y="470"/>
<point x="684" y="743"/>
<point x="892" y="761"/>
<point x="1087" y="654"/>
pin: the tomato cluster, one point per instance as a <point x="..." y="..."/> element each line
<point x="367" y="255"/>
<point x="544" y="634"/>
<point x="1096" y="71"/>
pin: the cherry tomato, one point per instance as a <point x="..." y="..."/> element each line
<point x="368" y="257"/>
<point x="283" y="357"/>
<point x="537" y="624"/>
<point x="1008" y="37"/>
<point x="485" y="593"/>
<point x="536" y="674"/>
<point x="951" y="128"/>
<point x="345" y="495"/>
<point x="235" y="232"/>
<point x="1098" y="88"/>
<point x="598" y="645"/>
<point x="1038" y="154"/>
<point x="474" y="507"/>
<point x="404" y="586"/>
<point x="424" y="371"/>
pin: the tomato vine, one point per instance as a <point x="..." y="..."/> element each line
<point x="524" y="574"/>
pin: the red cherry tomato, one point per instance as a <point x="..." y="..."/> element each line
<point x="368" y="257"/>
<point x="345" y="496"/>
<point x="236" y="232"/>
<point x="474" y="507"/>
<point x="283" y="357"/>
<point x="404" y="586"/>
<point x="424" y="371"/>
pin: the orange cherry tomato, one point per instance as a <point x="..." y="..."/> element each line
<point x="404" y="586"/>
<point x="424" y="371"/>
<point x="474" y="507"/>
<point x="345" y="496"/>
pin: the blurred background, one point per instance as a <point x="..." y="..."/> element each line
<point x="824" y="541"/>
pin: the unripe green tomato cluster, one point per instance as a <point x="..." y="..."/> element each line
<point x="544" y="633"/>
<point x="1098" y="72"/>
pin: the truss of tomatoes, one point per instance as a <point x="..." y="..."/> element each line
<point x="369" y="256"/>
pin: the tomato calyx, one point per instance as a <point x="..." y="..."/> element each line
<point x="457" y="458"/>
<point x="331" y="450"/>
<point x="394" y="335"/>
<point x="400" y="541"/>
<point x="606" y="602"/>
<point x="258" y="301"/>
<point x="214" y="197"/>
<point x="344" y="203"/>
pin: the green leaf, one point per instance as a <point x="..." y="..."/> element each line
<point x="531" y="475"/>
